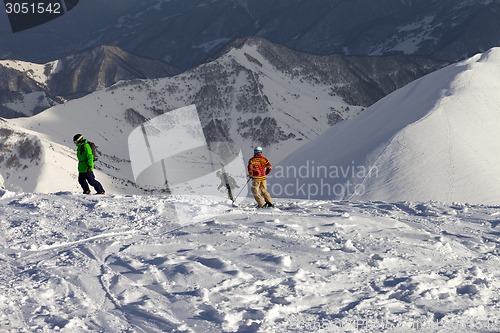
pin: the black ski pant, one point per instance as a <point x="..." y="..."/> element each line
<point x="86" y="178"/>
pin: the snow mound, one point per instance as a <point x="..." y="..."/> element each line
<point x="437" y="138"/>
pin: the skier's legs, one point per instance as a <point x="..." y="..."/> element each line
<point x="82" y="180"/>
<point x="265" y="193"/>
<point x="230" y="192"/>
<point x="255" y="191"/>
<point x="94" y="183"/>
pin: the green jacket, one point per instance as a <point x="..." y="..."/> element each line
<point x="85" y="157"/>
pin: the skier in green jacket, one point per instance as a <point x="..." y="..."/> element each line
<point x="86" y="166"/>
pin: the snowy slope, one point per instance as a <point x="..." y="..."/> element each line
<point x="29" y="162"/>
<point x="73" y="263"/>
<point x="437" y="138"/>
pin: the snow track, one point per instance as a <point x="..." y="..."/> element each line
<point x="73" y="263"/>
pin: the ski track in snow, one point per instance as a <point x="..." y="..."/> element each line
<point x="120" y="263"/>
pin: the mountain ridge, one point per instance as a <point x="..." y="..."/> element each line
<point x="434" y="139"/>
<point x="71" y="77"/>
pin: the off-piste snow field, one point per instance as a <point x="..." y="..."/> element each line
<point x="123" y="263"/>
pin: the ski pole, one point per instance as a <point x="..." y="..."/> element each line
<point x="242" y="189"/>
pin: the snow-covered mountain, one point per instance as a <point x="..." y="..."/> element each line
<point x="73" y="263"/>
<point x="84" y="72"/>
<point x="257" y="93"/>
<point x="22" y="89"/>
<point x="434" y="139"/>
<point x="29" y="88"/>
<point x="185" y="32"/>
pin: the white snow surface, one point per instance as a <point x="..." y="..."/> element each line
<point x="123" y="263"/>
<point x="437" y="138"/>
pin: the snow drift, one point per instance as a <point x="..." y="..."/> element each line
<point x="437" y="138"/>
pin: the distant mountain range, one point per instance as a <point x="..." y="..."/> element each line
<point x="27" y="88"/>
<point x="185" y="33"/>
<point x="87" y="71"/>
<point x="256" y="93"/>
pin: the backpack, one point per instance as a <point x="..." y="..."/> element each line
<point x="95" y="151"/>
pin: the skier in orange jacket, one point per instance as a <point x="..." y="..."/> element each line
<point x="258" y="168"/>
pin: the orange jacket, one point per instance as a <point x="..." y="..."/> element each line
<point x="259" y="167"/>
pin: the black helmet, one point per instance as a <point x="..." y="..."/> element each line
<point x="77" y="138"/>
